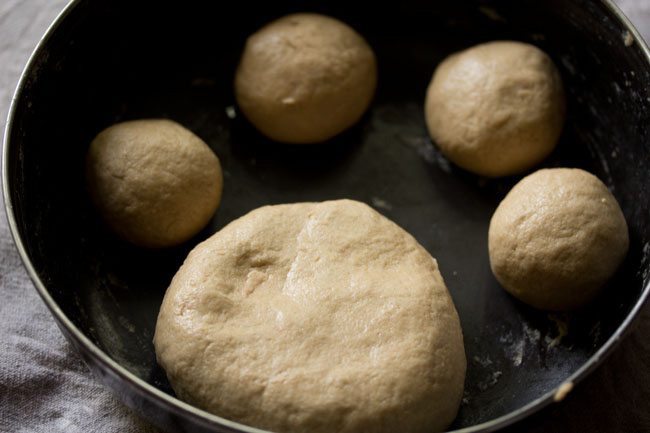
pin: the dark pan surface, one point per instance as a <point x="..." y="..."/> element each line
<point x="110" y="61"/>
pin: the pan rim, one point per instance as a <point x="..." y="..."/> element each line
<point x="84" y="344"/>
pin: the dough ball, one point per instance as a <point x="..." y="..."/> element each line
<point x="155" y="183"/>
<point x="304" y="78"/>
<point x="496" y="109"/>
<point x="314" y="317"/>
<point x="556" y="238"/>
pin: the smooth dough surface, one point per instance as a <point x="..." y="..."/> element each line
<point x="314" y="317"/>
<point x="305" y="78"/>
<point x="556" y="238"/>
<point x="155" y="183"/>
<point x="497" y="108"/>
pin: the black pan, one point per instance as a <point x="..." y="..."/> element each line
<point x="107" y="61"/>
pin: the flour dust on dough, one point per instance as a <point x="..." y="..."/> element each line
<point x="314" y="317"/>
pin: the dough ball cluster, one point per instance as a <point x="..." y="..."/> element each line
<point x="496" y="109"/>
<point x="305" y="78"/>
<point x="556" y="238"/>
<point x="314" y="317"/>
<point x="155" y="183"/>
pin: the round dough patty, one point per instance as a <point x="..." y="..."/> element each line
<point x="496" y="109"/>
<point x="556" y="238"/>
<point x="314" y="317"/>
<point x="305" y="78"/>
<point x="155" y="183"/>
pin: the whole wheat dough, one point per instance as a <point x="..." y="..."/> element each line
<point x="155" y="183"/>
<point x="556" y="238"/>
<point x="496" y="109"/>
<point x="314" y="317"/>
<point x="305" y="78"/>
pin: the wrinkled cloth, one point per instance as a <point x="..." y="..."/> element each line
<point x="45" y="387"/>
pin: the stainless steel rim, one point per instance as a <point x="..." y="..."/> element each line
<point x="182" y="408"/>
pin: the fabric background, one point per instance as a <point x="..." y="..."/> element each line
<point x="45" y="388"/>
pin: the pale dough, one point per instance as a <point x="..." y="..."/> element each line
<point x="305" y="78"/>
<point x="314" y="317"/>
<point x="155" y="183"/>
<point x="496" y="109"/>
<point x="556" y="238"/>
